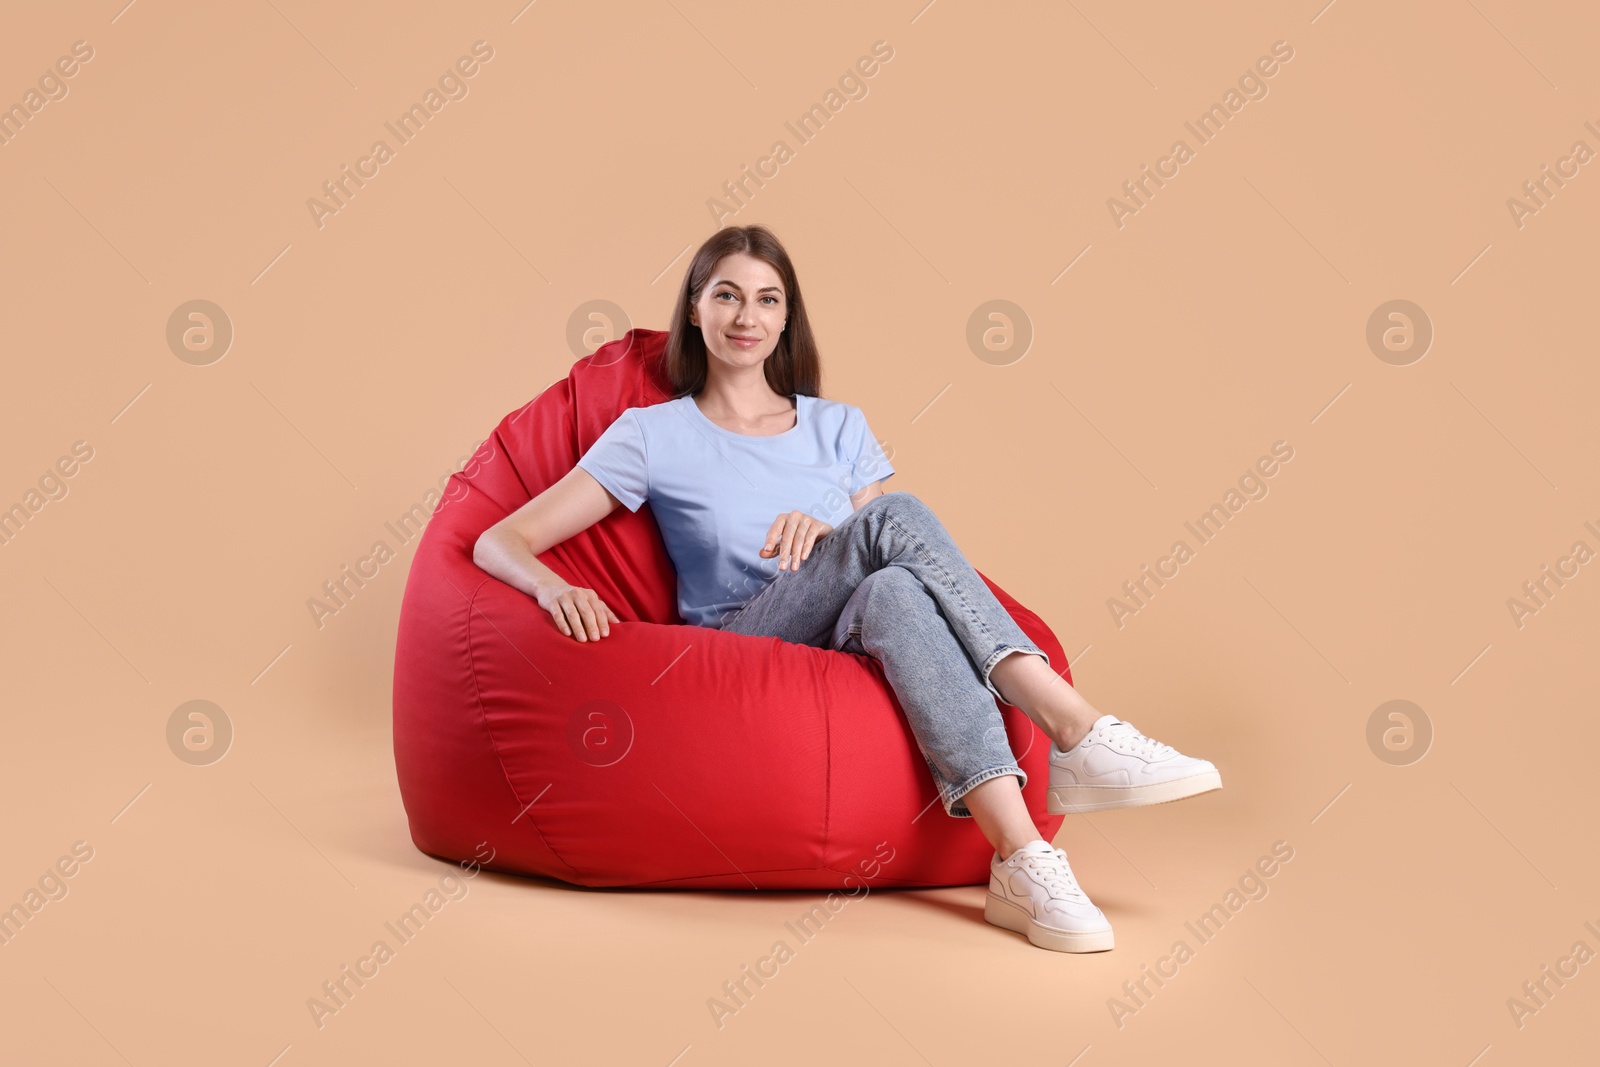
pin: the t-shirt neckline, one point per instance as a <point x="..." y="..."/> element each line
<point x="799" y="420"/>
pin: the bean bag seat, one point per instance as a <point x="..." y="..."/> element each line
<point x="666" y="755"/>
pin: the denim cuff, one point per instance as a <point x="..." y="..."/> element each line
<point x="1004" y="651"/>
<point x="958" y="810"/>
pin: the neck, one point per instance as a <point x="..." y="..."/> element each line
<point x="742" y="394"/>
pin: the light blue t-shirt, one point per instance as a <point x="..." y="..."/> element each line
<point x="715" y="493"/>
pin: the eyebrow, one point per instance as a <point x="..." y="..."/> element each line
<point x="735" y="285"/>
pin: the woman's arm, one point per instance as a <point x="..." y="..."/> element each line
<point x="509" y="550"/>
<point x="792" y="535"/>
<point x="867" y="493"/>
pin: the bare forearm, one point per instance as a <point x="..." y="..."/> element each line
<point x="504" y="554"/>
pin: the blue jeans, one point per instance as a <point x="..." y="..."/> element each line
<point x="889" y="582"/>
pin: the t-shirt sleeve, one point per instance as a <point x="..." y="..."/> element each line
<point x="860" y="449"/>
<point x="618" y="460"/>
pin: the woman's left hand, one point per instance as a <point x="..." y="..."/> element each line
<point x="791" y="538"/>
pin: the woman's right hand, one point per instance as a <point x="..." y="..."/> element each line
<point x="578" y="612"/>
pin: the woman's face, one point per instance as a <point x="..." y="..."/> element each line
<point x="742" y="311"/>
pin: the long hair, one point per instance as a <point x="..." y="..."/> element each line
<point x="793" y="366"/>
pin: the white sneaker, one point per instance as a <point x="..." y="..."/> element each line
<point x="1116" y="766"/>
<point x="1034" y="893"/>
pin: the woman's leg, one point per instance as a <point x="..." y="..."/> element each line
<point x="930" y="640"/>
<point x="895" y="529"/>
<point x="1001" y="813"/>
<point x="1027" y="682"/>
<point x="1032" y="889"/>
<point x="960" y="626"/>
<point x="893" y="618"/>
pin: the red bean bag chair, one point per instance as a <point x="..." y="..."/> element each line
<point x="665" y="755"/>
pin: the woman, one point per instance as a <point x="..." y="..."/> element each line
<point x="771" y="505"/>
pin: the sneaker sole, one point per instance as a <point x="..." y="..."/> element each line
<point x="1004" y="913"/>
<point x="1074" y="799"/>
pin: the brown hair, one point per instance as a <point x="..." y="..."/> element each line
<point x="793" y="367"/>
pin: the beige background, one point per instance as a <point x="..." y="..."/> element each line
<point x="371" y="355"/>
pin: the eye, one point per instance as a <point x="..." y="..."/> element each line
<point x="770" y="297"/>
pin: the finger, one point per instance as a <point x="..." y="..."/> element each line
<point x="575" y="619"/>
<point x="812" y="533"/>
<point x="601" y="614"/>
<point x="611" y="614"/>
<point x="804" y="534"/>
<point x="820" y="531"/>
<point x="770" y="549"/>
<point x="787" y="547"/>
<point x="571" y="611"/>
<point x="589" y="624"/>
<point x="560" y="620"/>
<point x="802" y="541"/>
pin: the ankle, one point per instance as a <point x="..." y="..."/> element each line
<point x="1067" y="726"/>
<point x="1007" y="849"/>
<point x="1069" y="734"/>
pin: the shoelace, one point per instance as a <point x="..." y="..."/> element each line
<point x="1057" y="877"/>
<point x="1124" y="736"/>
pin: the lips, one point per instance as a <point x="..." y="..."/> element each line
<point x="744" y="342"/>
